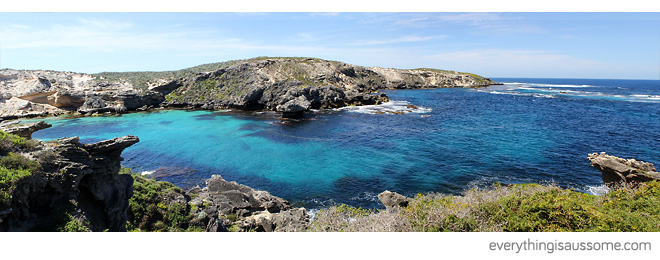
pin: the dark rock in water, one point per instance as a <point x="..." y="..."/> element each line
<point x="26" y="130"/>
<point x="618" y="170"/>
<point x="393" y="200"/>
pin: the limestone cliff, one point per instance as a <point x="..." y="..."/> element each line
<point x="288" y="85"/>
<point x="71" y="180"/>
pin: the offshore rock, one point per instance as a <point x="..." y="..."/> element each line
<point x="77" y="179"/>
<point x="618" y="170"/>
<point x="25" y="130"/>
<point x="393" y="200"/>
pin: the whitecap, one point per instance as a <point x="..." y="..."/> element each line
<point x="391" y="107"/>
<point x="147" y="173"/>
<point x="597" y="190"/>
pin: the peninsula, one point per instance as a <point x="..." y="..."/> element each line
<point x="287" y="85"/>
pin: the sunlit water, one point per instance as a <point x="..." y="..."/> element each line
<point x="443" y="140"/>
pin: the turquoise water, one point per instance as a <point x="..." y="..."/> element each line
<point x="528" y="130"/>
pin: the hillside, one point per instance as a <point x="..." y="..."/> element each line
<point x="287" y="85"/>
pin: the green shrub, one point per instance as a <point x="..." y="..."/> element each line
<point x="10" y="142"/>
<point x="8" y="178"/>
<point x="17" y="161"/>
<point x="154" y="207"/>
<point x="74" y="225"/>
<point x="14" y="167"/>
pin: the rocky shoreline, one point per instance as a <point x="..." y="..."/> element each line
<point x="82" y="187"/>
<point x="290" y="86"/>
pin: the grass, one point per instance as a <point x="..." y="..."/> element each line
<point x="523" y="207"/>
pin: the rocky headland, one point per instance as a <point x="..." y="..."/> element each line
<point x="287" y="85"/>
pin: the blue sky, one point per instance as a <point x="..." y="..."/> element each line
<point x="555" y="45"/>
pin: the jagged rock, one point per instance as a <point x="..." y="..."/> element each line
<point x="254" y="84"/>
<point x="286" y="221"/>
<point x="618" y="170"/>
<point x="257" y="210"/>
<point x="26" y="130"/>
<point x="294" y="108"/>
<point x="393" y="199"/>
<point x="75" y="177"/>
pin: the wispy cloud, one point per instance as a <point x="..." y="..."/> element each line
<point x="478" y="22"/>
<point x="404" y="39"/>
<point x="89" y="34"/>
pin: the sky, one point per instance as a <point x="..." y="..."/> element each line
<point x="491" y="44"/>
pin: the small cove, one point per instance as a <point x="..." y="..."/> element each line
<point x="528" y="130"/>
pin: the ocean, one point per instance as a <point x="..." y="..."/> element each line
<point x="425" y="140"/>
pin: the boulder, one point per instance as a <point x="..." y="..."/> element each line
<point x="254" y="210"/>
<point x="618" y="170"/>
<point x="393" y="200"/>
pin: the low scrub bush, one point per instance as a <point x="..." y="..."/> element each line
<point x="11" y="143"/>
<point x="523" y="207"/>
<point x="157" y="206"/>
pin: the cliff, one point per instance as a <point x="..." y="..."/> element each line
<point x="287" y="85"/>
<point x="64" y="185"/>
<point x="49" y="186"/>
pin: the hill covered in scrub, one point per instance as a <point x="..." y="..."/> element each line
<point x="287" y="85"/>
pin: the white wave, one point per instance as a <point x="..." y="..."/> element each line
<point x="366" y="196"/>
<point x="544" y="95"/>
<point x="147" y="173"/>
<point x="312" y="213"/>
<point x="391" y="107"/>
<point x="597" y="190"/>
<point x="651" y="97"/>
<point x="544" y="85"/>
<point x="558" y="85"/>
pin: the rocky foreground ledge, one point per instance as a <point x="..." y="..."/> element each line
<point x="288" y="85"/>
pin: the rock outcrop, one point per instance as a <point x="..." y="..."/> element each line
<point x="618" y="170"/>
<point x="25" y="130"/>
<point x="254" y="210"/>
<point x="287" y="85"/>
<point x="77" y="180"/>
<point x="393" y="200"/>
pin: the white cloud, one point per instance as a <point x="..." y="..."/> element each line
<point x="399" y="40"/>
<point x="96" y="35"/>
<point x="525" y="63"/>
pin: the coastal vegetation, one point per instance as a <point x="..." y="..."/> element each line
<point x="13" y="166"/>
<point x="521" y="207"/>
<point x="154" y="206"/>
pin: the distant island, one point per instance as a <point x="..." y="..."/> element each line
<point x="287" y="85"/>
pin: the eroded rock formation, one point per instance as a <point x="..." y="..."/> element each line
<point x="287" y="85"/>
<point x="80" y="180"/>
<point x="618" y="170"/>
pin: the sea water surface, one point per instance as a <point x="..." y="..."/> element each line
<point x="440" y="140"/>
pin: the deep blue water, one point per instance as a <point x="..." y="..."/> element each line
<point x="527" y="130"/>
